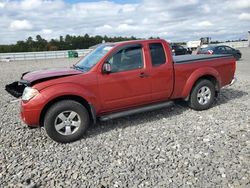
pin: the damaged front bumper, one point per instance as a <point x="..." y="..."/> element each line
<point x="30" y="112"/>
<point x="16" y="88"/>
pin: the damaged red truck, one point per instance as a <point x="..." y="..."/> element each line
<point x="115" y="80"/>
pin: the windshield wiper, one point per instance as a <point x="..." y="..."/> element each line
<point x="77" y="67"/>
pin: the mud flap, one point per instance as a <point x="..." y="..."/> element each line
<point x="15" y="89"/>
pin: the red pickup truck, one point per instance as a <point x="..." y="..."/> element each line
<point x="115" y="80"/>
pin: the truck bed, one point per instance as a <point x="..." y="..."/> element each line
<point x="190" y="58"/>
<point x="187" y="67"/>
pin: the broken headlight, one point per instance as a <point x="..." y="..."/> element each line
<point x="29" y="93"/>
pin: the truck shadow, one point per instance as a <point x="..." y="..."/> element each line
<point x="229" y="94"/>
<point x="142" y="119"/>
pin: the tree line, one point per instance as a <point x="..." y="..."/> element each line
<point x="67" y="42"/>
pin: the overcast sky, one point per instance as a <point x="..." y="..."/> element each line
<point x="174" y="20"/>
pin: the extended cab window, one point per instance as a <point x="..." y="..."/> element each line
<point x="128" y="58"/>
<point x="157" y="54"/>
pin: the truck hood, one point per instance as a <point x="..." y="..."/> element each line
<point x="30" y="78"/>
<point x="48" y="74"/>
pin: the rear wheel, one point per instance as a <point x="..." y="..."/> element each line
<point x="66" y="121"/>
<point x="237" y="57"/>
<point x="202" y="95"/>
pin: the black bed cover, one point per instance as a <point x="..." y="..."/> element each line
<point x="190" y="58"/>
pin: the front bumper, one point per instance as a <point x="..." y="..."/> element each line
<point x="30" y="117"/>
<point x="31" y="110"/>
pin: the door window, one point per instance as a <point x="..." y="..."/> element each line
<point x="128" y="58"/>
<point x="221" y="49"/>
<point x="157" y="54"/>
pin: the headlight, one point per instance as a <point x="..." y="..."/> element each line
<point x="29" y="93"/>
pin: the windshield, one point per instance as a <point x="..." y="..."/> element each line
<point x="93" y="57"/>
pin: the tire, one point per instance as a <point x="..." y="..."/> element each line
<point x="202" y="95"/>
<point x="66" y="121"/>
<point x="237" y="57"/>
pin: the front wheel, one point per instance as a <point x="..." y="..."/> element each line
<point x="202" y="95"/>
<point x="66" y="121"/>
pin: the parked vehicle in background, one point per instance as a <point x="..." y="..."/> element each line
<point x="220" y="49"/>
<point x="178" y="49"/>
<point x="115" y="80"/>
<point x="72" y="54"/>
<point x="189" y="51"/>
<point x="7" y="59"/>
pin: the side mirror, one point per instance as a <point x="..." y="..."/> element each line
<point x="107" y="68"/>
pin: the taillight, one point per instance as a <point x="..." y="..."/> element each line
<point x="210" y="52"/>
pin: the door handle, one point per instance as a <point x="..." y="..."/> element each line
<point x="143" y="75"/>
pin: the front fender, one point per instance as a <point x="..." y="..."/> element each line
<point x="197" y="74"/>
<point x="54" y="91"/>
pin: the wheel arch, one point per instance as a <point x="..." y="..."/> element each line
<point x="210" y="78"/>
<point x="209" y="74"/>
<point x="90" y="108"/>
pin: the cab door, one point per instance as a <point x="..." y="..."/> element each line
<point x="162" y="77"/>
<point x="128" y="83"/>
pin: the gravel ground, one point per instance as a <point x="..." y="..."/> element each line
<point x="171" y="147"/>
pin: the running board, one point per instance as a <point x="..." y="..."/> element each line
<point x="136" y="110"/>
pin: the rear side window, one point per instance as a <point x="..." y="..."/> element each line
<point x="228" y="48"/>
<point x="221" y="48"/>
<point x="157" y="54"/>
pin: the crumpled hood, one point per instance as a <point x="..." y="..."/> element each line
<point x="49" y="73"/>
<point x="30" y="78"/>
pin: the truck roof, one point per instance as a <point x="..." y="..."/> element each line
<point x="128" y="42"/>
<point x="140" y="40"/>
